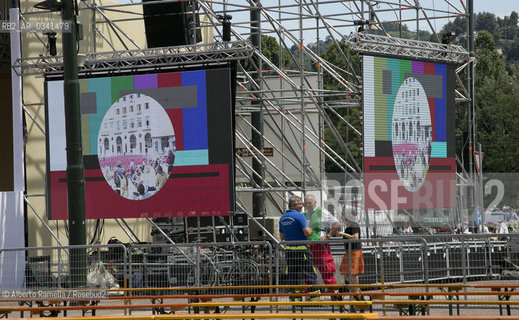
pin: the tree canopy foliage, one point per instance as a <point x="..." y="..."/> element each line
<point x="270" y="48"/>
<point x="496" y="90"/>
<point x="497" y="115"/>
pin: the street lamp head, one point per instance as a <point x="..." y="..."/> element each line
<point x="360" y="22"/>
<point x="226" y="23"/>
<point x="51" y="35"/>
<point x="81" y="57"/>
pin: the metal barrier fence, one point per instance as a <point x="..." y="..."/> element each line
<point x="404" y="260"/>
<point x="48" y="268"/>
<point x="201" y="265"/>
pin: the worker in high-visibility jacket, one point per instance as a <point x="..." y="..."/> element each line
<point x="324" y="226"/>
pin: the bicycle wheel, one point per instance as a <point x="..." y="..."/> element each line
<point x="243" y="273"/>
<point x="206" y="275"/>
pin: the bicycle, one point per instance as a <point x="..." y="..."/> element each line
<point x="216" y="267"/>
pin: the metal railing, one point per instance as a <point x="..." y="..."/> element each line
<point x="402" y="260"/>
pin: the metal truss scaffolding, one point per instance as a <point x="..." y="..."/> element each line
<point x="375" y="44"/>
<point x="131" y="60"/>
<point x="301" y="80"/>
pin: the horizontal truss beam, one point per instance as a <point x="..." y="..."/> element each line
<point x="414" y="49"/>
<point x="137" y="59"/>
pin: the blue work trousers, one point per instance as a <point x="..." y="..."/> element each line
<point x="300" y="266"/>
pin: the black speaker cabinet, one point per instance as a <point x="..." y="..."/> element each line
<point x="171" y="24"/>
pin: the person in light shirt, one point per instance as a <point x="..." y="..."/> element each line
<point x="503" y="228"/>
<point x="324" y="226"/>
<point x="408" y="229"/>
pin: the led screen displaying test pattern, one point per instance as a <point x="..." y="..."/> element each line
<point x="154" y="145"/>
<point x="409" y="150"/>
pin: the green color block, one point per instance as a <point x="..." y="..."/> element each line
<point x="85" y="135"/>
<point x="121" y="83"/>
<point x="380" y="100"/>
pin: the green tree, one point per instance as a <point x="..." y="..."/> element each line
<point x="508" y="20"/>
<point x="498" y="129"/>
<point x="490" y="64"/>
<point x="458" y="26"/>
<point x="513" y="54"/>
<point x="514" y="17"/>
<point x="318" y="47"/>
<point x="270" y="49"/>
<point x="334" y="56"/>
<point x="486" y="21"/>
<point x="496" y="108"/>
<point x="509" y="29"/>
<point x="394" y="26"/>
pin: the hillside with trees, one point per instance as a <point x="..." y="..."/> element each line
<point x="496" y="89"/>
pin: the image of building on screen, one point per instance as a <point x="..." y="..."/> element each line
<point x="411" y="134"/>
<point x="136" y="146"/>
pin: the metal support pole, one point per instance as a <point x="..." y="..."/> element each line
<point x="470" y="113"/>
<point x="481" y="203"/>
<point x="417" y="23"/>
<point x="75" y="171"/>
<point x="302" y="96"/>
<point x="258" y="198"/>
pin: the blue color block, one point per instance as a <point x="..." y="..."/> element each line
<point x="440" y="112"/>
<point x="195" y="119"/>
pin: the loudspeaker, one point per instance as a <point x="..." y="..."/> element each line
<point x="171" y="24"/>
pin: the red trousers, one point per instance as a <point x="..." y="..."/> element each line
<point x="323" y="260"/>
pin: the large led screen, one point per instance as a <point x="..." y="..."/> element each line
<point x="154" y="145"/>
<point x="409" y="150"/>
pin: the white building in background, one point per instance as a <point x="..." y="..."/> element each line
<point x="136" y="124"/>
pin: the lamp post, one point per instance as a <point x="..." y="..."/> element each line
<point x="472" y="96"/>
<point x="75" y="170"/>
<point x="258" y="197"/>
